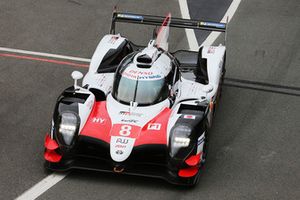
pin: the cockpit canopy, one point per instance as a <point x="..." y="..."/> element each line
<point x="144" y="83"/>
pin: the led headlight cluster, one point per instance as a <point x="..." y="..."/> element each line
<point x="181" y="142"/>
<point x="180" y="138"/>
<point x="68" y="127"/>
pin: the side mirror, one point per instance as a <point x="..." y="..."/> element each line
<point x="76" y="75"/>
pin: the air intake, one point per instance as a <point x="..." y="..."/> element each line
<point x="144" y="61"/>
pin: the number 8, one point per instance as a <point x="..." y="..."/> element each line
<point x="125" y="130"/>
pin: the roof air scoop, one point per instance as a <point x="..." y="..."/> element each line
<point x="148" y="55"/>
<point x="144" y="59"/>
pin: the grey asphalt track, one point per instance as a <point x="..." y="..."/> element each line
<point x="254" y="144"/>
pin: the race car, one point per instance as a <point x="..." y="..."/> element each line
<point x="140" y="110"/>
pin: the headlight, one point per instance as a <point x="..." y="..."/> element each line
<point x="181" y="142"/>
<point x="180" y="138"/>
<point x="68" y="127"/>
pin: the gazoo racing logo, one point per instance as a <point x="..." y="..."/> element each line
<point x="126" y="113"/>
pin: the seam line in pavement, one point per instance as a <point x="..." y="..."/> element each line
<point x="261" y="89"/>
<point x="277" y="86"/>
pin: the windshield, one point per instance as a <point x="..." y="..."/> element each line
<point x="143" y="92"/>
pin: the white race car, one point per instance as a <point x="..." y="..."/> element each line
<point x="135" y="113"/>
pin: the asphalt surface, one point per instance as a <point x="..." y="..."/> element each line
<point x="254" y="150"/>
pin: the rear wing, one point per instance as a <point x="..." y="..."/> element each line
<point x="158" y="20"/>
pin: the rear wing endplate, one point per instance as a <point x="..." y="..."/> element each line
<point x="158" y="20"/>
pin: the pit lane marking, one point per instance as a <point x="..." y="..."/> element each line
<point x="49" y="55"/>
<point x="190" y="34"/>
<point x="43" y="60"/>
<point x="42" y="186"/>
<point x="191" y="37"/>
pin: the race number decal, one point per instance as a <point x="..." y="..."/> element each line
<point x="125" y="130"/>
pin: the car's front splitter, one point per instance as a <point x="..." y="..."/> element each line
<point x="139" y="169"/>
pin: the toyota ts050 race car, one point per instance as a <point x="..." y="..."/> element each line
<point x="136" y="111"/>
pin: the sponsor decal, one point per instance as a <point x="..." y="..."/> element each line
<point x="129" y="120"/>
<point x="122" y="140"/>
<point x="119" y="152"/>
<point x="211" y="50"/>
<point x="189" y="116"/>
<point x="130" y="16"/>
<point x="126" y="113"/>
<point x="141" y="75"/>
<point x="154" y="126"/>
<point x="113" y="39"/>
<point x="200" y="143"/>
<point x="212" y="24"/>
<point x="98" y="120"/>
<point x="200" y="140"/>
<point x="150" y="77"/>
<point x="119" y="146"/>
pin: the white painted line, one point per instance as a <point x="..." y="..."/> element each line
<point x="41" y="187"/>
<point x="44" y="54"/>
<point x="191" y="37"/>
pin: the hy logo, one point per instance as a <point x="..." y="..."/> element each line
<point x="98" y="120"/>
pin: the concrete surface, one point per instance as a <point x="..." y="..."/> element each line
<point x="254" y="149"/>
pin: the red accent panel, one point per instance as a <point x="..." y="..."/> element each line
<point x="98" y="125"/>
<point x="52" y="156"/>
<point x="189" y="172"/>
<point x="50" y="143"/>
<point x="193" y="160"/>
<point x="155" y="131"/>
